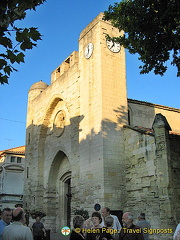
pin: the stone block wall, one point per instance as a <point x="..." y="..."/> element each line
<point x="175" y="168"/>
<point x="141" y="188"/>
<point x="152" y="175"/>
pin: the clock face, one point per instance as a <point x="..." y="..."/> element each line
<point x="113" y="46"/>
<point x="88" y="50"/>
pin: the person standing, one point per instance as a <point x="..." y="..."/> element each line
<point x="142" y="223"/>
<point x="77" y="233"/>
<point x="105" y="213"/>
<point x="38" y="229"/>
<point x="97" y="232"/>
<point x="17" y="230"/>
<point x="109" y="224"/>
<point x="6" y="219"/>
<point x="129" y="230"/>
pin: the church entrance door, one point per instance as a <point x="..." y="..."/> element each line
<point x="59" y="183"/>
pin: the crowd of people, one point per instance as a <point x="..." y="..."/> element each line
<point x="104" y="226"/>
<point x="13" y="226"/>
<point x="100" y="226"/>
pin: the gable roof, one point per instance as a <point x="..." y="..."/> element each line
<point x="153" y="105"/>
<point x="16" y="150"/>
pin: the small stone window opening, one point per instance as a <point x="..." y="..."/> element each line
<point x="29" y="138"/>
<point x="34" y="200"/>
<point x="58" y="72"/>
<point x="129" y="119"/>
<point x="27" y="173"/>
<point x="67" y="60"/>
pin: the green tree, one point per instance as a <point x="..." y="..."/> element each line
<point x="15" y="41"/>
<point x="151" y="29"/>
<point x="82" y="212"/>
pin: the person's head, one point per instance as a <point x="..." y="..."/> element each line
<point x="7" y="215"/>
<point x="88" y="223"/>
<point x="38" y="219"/>
<point x="127" y="219"/>
<point x="96" y="218"/>
<point x="109" y="221"/>
<point x="18" y="215"/>
<point x="141" y="217"/>
<point x="78" y="221"/>
<point x="105" y="212"/>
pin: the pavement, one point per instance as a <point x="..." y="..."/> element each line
<point x="58" y="236"/>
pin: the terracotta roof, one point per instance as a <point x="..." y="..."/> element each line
<point x="173" y="134"/>
<point x="148" y="131"/>
<point x="16" y="150"/>
<point x="144" y="130"/>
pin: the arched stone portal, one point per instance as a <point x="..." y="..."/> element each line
<point x="58" y="195"/>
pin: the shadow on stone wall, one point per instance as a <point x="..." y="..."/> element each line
<point x="42" y="140"/>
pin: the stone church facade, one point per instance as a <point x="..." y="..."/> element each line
<point x="87" y="143"/>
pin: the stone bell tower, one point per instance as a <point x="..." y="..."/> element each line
<point x="74" y="136"/>
<point x="103" y="104"/>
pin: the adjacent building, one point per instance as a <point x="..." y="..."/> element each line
<point x="12" y="163"/>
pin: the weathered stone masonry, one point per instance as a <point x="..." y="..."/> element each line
<point x="151" y="172"/>
<point x="87" y="143"/>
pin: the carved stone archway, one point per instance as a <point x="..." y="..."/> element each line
<point x="57" y="197"/>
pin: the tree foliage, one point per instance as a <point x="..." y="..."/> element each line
<point x="82" y="212"/>
<point x="15" y="41"/>
<point x="151" y="29"/>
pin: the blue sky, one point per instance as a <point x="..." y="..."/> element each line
<point x="60" y="23"/>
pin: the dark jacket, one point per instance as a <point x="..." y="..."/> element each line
<point x="99" y="233"/>
<point x="132" y="233"/>
<point x="76" y="236"/>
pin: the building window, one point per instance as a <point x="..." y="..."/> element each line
<point x="129" y="120"/>
<point x="18" y="159"/>
<point x="29" y="138"/>
<point x="130" y="116"/>
<point x="27" y="172"/>
<point x="13" y="159"/>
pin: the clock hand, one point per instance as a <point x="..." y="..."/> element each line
<point x="112" y="45"/>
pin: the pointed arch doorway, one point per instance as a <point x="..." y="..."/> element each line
<point x="59" y="191"/>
